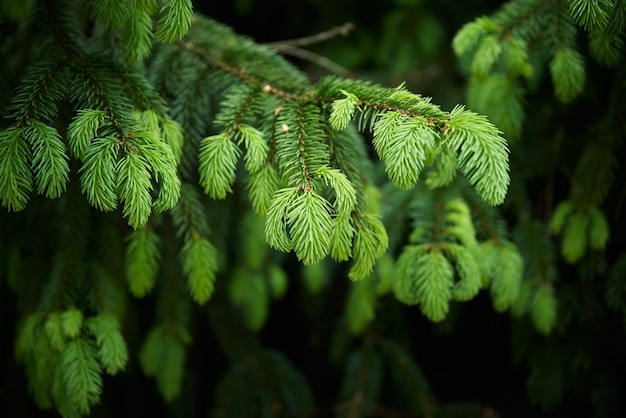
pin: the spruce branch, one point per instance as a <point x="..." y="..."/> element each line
<point x="83" y="128"/>
<point x="137" y="31"/>
<point x="568" y="74"/>
<point x="218" y="160"/>
<point x="362" y="382"/>
<point x="188" y="216"/>
<point x="544" y="309"/>
<point x="242" y="114"/>
<point x="370" y="243"/>
<point x="44" y="84"/>
<point x="99" y="91"/>
<point x="426" y="278"/>
<point x="199" y="262"/>
<point x="345" y="195"/>
<point x="506" y="276"/>
<point x="112" y="13"/>
<point x="81" y="373"/>
<point x="276" y="226"/>
<point x="261" y="187"/>
<point x="591" y="14"/>
<point x="309" y="224"/>
<point x="16" y="178"/>
<point x="341" y="238"/>
<point x="59" y="23"/>
<point x="112" y="349"/>
<point x="410" y="379"/>
<point x="174" y="20"/>
<point x="465" y="261"/>
<point x="134" y="188"/>
<point x="299" y="134"/>
<point x="482" y="153"/>
<point x="98" y="173"/>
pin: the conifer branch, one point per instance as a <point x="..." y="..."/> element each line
<point x="62" y="32"/>
<point x="362" y="382"/>
<point x="43" y="86"/>
<point x="412" y="382"/>
<point x="114" y="109"/>
<point x="243" y="115"/>
<point x="517" y="17"/>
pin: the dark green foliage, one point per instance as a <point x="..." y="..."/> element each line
<point x="265" y="385"/>
<point x="169" y="185"/>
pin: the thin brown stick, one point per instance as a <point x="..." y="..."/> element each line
<point x="342" y="30"/>
<point x="312" y="57"/>
<point x="293" y="47"/>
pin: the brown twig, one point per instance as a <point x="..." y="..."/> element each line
<point x="293" y="47"/>
<point x="342" y="30"/>
<point x="312" y="57"/>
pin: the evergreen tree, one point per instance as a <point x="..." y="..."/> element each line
<point x="168" y="183"/>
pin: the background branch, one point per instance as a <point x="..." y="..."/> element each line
<point x="292" y="47"/>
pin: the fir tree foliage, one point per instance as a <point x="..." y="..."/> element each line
<point x="510" y="55"/>
<point x="498" y="47"/>
<point x="151" y="132"/>
<point x="445" y="243"/>
<point x="509" y="49"/>
<point x="121" y="159"/>
<point x="284" y="391"/>
<point x="65" y="357"/>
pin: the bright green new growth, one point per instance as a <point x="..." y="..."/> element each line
<point x="218" y="162"/>
<point x="427" y="279"/>
<point x="110" y="342"/>
<point x="445" y="247"/>
<point x="501" y="61"/>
